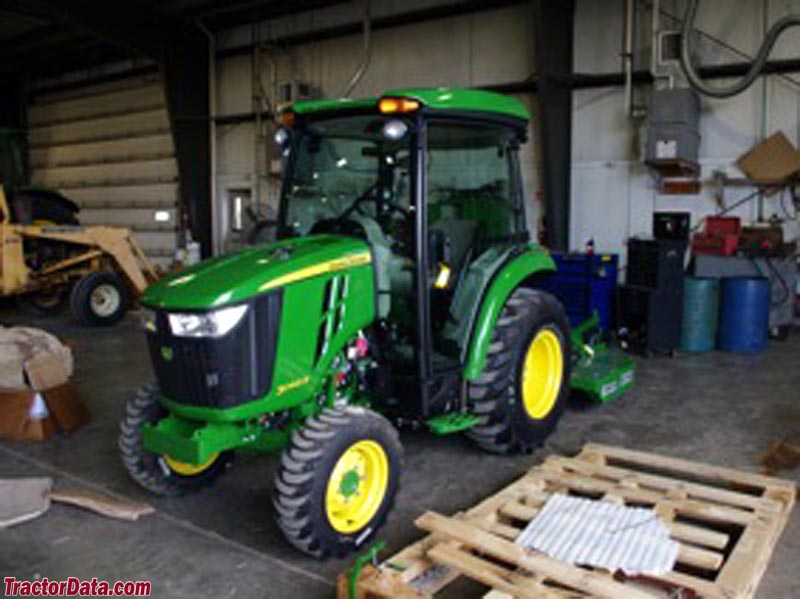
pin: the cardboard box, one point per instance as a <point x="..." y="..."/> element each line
<point x="774" y="159"/>
<point x="28" y="415"/>
<point x="47" y="371"/>
<point x="14" y="409"/>
<point x="12" y="369"/>
<point x="36" y="398"/>
<point x="67" y="411"/>
<point x="31" y="358"/>
<point x="37" y="429"/>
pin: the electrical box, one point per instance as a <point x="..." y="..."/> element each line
<point x="673" y="126"/>
<point x="669" y="48"/>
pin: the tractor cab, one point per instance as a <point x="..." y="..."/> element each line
<point x="430" y="180"/>
<point x="28" y="204"/>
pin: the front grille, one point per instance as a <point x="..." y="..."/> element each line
<point x="223" y="372"/>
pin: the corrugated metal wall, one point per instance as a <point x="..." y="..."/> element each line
<point x="109" y="149"/>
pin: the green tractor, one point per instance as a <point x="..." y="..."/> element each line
<point x="402" y="291"/>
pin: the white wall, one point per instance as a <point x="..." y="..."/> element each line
<point x="613" y="195"/>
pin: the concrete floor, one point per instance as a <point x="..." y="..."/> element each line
<point x="719" y="408"/>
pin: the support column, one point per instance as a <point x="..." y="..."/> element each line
<point x="186" y="84"/>
<point x="553" y="26"/>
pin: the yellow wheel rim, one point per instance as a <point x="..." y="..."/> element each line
<point x="542" y="374"/>
<point x="187" y="468"/>
<point x="357" y="486"/>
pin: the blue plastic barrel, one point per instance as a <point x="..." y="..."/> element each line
<point x="744" y="314"/>
<point x="700" y="313"/>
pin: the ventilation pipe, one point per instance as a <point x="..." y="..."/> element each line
<point x="627" y="56"/>
<point x="756" y="66"/>
<point x="367" y="54"/>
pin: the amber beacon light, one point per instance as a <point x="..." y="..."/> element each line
<point x="397" y="105"/>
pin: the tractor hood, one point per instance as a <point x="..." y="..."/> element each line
<point x="236" y="277"/>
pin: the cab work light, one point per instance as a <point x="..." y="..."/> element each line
<point x="397" y="105"/>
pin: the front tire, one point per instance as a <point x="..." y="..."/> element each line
<point x="99" y="299"/>
<point x="524" y="387"/>
<point x="337" y="481"/>
<point x="161" y="474"/>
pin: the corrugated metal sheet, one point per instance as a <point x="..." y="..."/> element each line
<point x="596" y="533"/>
<point x="110" y="150"/>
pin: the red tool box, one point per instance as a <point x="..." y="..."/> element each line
<point x="721" y="236"/>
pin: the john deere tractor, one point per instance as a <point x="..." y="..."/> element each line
<point x="402" y="291"/>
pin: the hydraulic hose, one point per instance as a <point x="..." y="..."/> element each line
<point x="755" y="68"/>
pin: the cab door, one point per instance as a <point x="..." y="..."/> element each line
<point x="474" y="215"/>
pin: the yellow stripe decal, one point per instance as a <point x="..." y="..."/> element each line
<point x="319" y="269"/>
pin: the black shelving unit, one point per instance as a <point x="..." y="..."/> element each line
<point x="651" y="300"/>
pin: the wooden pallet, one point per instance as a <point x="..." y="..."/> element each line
<point x="726" y="521"/>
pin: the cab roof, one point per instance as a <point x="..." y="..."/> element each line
<point x="444" y="99"/>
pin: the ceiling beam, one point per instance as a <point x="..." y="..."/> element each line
<point x="133" y="25"/>
<point x="222" y="18"/>
<point x="193" y="10"/>
<point x="41" y="40"/>
<point x="85" y="56"/>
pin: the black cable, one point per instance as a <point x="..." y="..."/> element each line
<point x="793" y="203"/>
<point x="786" y="291"/>
<point x="738" y="203"/>
<point x="727" y="209"/>
<point x="784" y="285"/>
<point x="755" y="68"/>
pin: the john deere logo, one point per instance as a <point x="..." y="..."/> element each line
<point x="166" y="353"/>
<point x="293" y="384"/>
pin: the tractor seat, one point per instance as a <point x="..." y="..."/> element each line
<point x="460" y="234"/>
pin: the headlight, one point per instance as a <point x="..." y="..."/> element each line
<point x="148" y="320"/>
<point x="207" y="324"/>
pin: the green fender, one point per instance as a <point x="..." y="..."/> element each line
<point x="508" y="278"/>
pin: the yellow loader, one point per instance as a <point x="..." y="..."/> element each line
<point x="97" y="270"/>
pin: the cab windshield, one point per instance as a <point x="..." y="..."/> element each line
<point x="347" y="168"/>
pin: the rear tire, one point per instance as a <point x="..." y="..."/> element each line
<point x="515" y="417"/>
<point x="326" y="503"/>
<point x="99" y="299"/>
<point x="153" y="471"/>
<point x="44" y="304"/>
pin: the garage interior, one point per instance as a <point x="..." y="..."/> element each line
<point x="659" y="167"/>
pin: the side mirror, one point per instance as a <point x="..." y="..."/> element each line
<point x="259" y="232"/>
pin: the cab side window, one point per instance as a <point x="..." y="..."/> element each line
<point x="473" y="202"/>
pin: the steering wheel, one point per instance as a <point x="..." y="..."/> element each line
<point x="369" y="196"/>
<point x="337" y="226"/>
